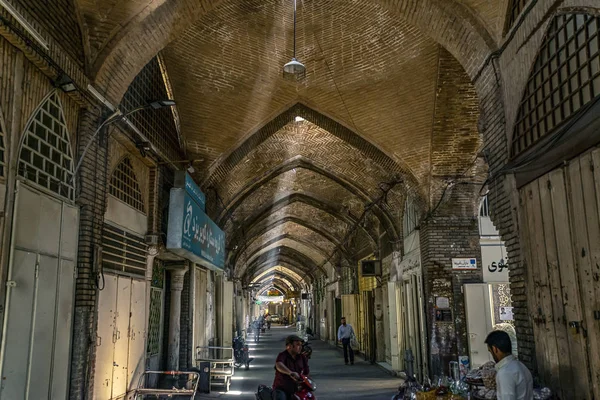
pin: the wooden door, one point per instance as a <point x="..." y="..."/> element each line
<point x="560" y="236"/>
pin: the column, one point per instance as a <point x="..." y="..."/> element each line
<point x="177" y="274"/>
<point x="379" y="327"/>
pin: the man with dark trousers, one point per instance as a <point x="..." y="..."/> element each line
<point x="345" y="333"/>
<point x="289" y="365"/>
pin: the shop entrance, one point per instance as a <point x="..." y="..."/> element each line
<point x="39" y="304"/>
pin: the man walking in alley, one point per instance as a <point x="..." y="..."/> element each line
<point x="513" y="379"/>
<point x="289" y="365"/>
<point x="345" y="334"/>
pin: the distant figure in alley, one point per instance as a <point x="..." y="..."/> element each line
<point x="345" y="334"/>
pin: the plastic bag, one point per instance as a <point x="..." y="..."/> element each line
<point x="353" y="342"/>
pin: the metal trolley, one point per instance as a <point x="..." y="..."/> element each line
<point x="221" y="364"/>
<point x="182" y="384"/>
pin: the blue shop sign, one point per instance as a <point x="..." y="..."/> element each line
<point x="184" y="180"/>
<point x="191" y="234"/>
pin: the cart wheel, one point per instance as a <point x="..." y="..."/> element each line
<point x="227" y="384"/>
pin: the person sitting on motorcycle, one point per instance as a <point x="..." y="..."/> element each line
<point x="289" y="365"/>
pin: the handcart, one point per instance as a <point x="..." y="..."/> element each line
<point x="167" y="385"/>
<point x="221" y="361"/>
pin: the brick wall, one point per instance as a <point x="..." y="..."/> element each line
<point x="503" y="204"/>
<point x="58" y="13"/>
<point x="455" y="138"/>
<point x="92" y="191"/>
<point x="443" y="238"/>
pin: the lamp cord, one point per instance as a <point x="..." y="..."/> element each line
<point x="294" y="29"/>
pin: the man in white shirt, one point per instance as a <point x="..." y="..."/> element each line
<point x="344" y="334"/>
<point x="513" y="379"/>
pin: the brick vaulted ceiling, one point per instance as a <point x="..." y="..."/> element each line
<point x="381" y="101"/>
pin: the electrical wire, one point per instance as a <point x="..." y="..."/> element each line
<point x="368" y="207"/>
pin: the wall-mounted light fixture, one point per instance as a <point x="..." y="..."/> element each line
<point x="120" y="116"/>
<point x="65" y="83"/>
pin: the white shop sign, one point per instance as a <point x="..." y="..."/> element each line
<point x="464" y="263"/>
<point x="495" y="262"/>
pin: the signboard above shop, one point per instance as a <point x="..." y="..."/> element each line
<point x="191" y="233"/>
<point x="184" y="180"/>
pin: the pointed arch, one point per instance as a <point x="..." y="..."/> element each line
<point x="447" y="22"/>
<point x="45" y="155"/>
<point x="125" y="186"/>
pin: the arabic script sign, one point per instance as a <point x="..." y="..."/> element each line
<point x="184" y="180"/>
<point x="464" y="263"/>
<point x="495" y="263"/>
<point x="191" y="234"/>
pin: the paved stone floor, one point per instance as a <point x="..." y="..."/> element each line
<point x="334" y="379"/>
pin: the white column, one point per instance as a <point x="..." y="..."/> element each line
<point x="379" y="333"/>
<point x="177" y="275"/>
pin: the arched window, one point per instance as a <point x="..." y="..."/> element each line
<point x="565" y="78"/>
<point x="411" y="217"/>
<point x="45" y="157"/>
<point x="124" y="185"/>
<point x="484" y="207"/>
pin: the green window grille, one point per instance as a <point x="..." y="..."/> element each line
<point x="45" y="157"/>
<point x="125" y="187"/>
<point x="565" y="78"/>
<point x="158" y="274"/>
<point x="154" y="321"/>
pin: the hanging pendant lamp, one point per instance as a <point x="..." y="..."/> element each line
<point x="294" y="70"/>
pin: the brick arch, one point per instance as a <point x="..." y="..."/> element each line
<point x="280" y="275"/>
<point x="318" y="256"/>
<point x="285" y="274"/>
<point x="260" y="230"/>
<point x="285" y="236"/>
<point x="448" y="22"/>
<point x="281" y="271"/>
<point x="223" y="166"/>
<point x="285" y="268"/>
<point x="280" y="255"/>
<point x="302" y="162"/>
<point x="276" y="283"/>
<point x="308" y="198"/>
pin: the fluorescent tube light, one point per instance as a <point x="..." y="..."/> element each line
<point x="24" y="23"/>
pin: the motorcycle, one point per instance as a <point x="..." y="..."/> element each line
<point x="306" y="387"/>
<point x="241" y="353"/>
